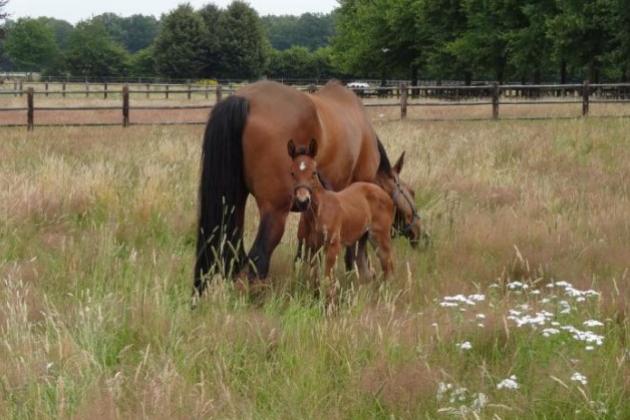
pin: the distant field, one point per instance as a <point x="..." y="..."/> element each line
<point x="527" y="279"/>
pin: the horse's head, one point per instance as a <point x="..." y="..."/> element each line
<point x="407" y="221"/>
<point x="304" y="173"/>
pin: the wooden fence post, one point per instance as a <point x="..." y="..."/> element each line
<point x="166" y="93"/>
<point x="189" y="91"/>
<point x="46" y="87"/>
<point x="148" y="90"/>
<point x="125" y="108"/>
<point x="219" y="93"/>
<point x="585" y="98"/>
<point x="63" y="89"/>
<point x="87" y="90"/>
<point x="206" y="91"/>
<point x="403" y="101"/>
<point x="15" y="88"/>
<point x="105" y="90"/>
<point x="30" y="113"/>
<point x="21" y="88"/>
<point x="495" y="101"/>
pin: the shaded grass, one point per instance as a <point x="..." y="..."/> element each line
<point x="96" y="251"/>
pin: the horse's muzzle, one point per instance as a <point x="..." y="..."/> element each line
<point x="301" y="199"/>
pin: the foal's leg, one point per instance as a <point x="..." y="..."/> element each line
<point x="301" y="235"/>
<point x="332" y="251"/>
<point x="362" y="258"/>
<point x="383" y="242"/>
<point x="270" y="232"/>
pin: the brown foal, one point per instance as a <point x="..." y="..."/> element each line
<point x="360" y="212"/>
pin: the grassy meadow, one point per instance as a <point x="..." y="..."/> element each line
<point x="517" y="309"/>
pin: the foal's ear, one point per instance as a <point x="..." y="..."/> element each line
<point x="399" y="163"/>
<point x="312" y="148"/>
<point x="291" y="149"/>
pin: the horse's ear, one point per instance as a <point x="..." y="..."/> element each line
<point x="399" y="163"/>
<point x="312" y="148"/>
<point x="291" y="149"/>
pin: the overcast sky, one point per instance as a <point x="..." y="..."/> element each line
<point x="76" y="10"/>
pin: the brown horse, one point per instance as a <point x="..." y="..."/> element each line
<point x="358" y="213"/>
<point x="244" y="152"/>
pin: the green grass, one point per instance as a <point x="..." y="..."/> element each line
<point x="96" y="256"/>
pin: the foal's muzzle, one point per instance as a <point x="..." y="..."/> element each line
<point x="301" y="198"/>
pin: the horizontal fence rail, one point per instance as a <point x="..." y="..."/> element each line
<point x="402" y="96"/>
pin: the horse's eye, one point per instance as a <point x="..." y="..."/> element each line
<point x="292" y="173"/>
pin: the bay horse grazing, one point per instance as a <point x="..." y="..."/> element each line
<point x="245" y="152"/>
<point x="358" y="213"/>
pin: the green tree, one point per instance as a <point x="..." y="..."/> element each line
<point x="31" y="45"/>
<point x="92" y="52"/>
<point x="379" y="37"/>
<point x="310" y="30"/>
<point x="138" y="32"/>
<point x="582" y="34"/>
<point x="293" y="63"/>
<point x="530" y="49"/>
<point x="180" y="47"/>
<point x="142" y="62"/>
<point x="444" y="21"/>
<point x="242" y="43"/>
<point x="211" y="15"/>
<point x="60" y="28"/>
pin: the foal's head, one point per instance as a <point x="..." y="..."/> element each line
<point x="407" y="221"/>
<point x="304" y="173"/>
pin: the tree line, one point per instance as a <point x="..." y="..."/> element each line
<point x="502" y="40"/>
<point x="185" y="43"/>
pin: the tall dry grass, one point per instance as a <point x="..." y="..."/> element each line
<point x="96" y="254"/>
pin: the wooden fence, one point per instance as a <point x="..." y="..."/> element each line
<point x="406" y="97"/>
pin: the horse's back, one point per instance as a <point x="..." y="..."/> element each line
<point x="347" y="125"/>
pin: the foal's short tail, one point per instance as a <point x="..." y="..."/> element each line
<point x="222" y="192"/>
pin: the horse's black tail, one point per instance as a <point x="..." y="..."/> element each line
<point x="222" y="193"/>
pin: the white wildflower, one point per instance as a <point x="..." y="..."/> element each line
<point x="480" y="401"/>
<point x="578" y="377"/>
<point x="593" y="323"/>
<point x="550" y="331"/>
<point x="465" y="345"/>
<point x="509" y="383"/>
<point x="480" y="316"/>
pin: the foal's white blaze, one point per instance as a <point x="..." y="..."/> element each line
<point x="302" y="166"/>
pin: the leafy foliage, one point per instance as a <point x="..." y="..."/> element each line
<point x="91" y="51"/>
<point x="310" y="30"/>
<point x="242" y="42"/>
<point x="180" y="45"/>
<point x="31" y="45"/>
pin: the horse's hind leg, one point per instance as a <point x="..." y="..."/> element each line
<point x="270" y="231"/>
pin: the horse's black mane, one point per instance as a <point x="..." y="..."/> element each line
<point x="384" y="165"/>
